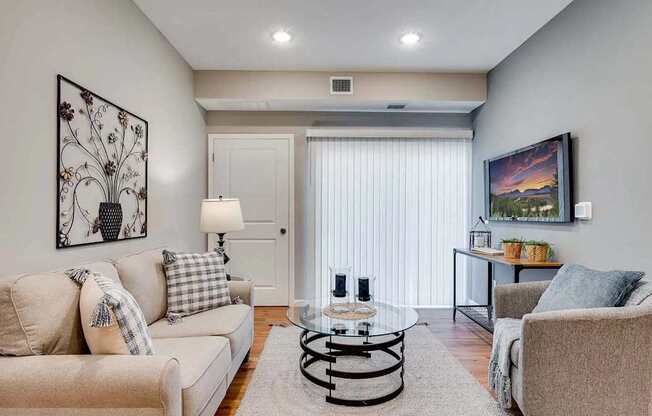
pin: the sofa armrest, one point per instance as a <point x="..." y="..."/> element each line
<point x="244" y="289"/>
<point x="588" y="361"/>
<point x="516" y="299"/>
<point x="91" y="382"/>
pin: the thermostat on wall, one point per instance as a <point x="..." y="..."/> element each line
<point x="583" y="211"/>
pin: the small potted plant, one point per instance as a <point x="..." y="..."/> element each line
<point x="512" y="247"/>
<point x="537" y="251"/>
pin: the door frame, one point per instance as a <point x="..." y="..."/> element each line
<point x="290" y="139"/>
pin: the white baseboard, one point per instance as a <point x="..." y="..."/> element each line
<point x="430" y="306"/>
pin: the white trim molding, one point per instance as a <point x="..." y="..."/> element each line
<point x="393" y="132"/>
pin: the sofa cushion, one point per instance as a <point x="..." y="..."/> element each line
<point x="232" y="321"/>
<point x="104" y="268"/>
<point x="39" y="314"/>
<point x="515" y="352"/>
<point x="516" y="376"/>
<point x="142" y="275"/>
<point x="204" y="364"/>
<point x="578" y="287"/>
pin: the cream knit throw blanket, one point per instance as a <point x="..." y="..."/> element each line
<point x="506" y="332"/>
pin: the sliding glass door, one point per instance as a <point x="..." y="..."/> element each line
<point x="393" y="208"/>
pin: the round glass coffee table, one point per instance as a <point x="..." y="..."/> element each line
<point x="382" y="333"/>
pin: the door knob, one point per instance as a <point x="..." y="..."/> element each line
<point x="283" y="231"/>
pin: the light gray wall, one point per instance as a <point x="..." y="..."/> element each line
<point x="588" y="71"/>
<point x="296" y="123"/>
<point x="111" y="48"/>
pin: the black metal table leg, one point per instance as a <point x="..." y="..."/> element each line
<point x="335" y="349"/>
<point x="454" y="283"/>
<point x="490" y="290"/>
<point x="330" y="367"/>
<point x="517" y="273"/>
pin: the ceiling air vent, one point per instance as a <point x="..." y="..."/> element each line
<point x="341" y="85"/>
<point x="395" y="106"/>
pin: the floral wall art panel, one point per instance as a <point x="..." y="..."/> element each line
<point x="101" y="169"/>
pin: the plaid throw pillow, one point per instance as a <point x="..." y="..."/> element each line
<point x="196" y="283"/>
<point x="127" y="312"/>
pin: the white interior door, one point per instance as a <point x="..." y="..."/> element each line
<point x="257" y="169"/>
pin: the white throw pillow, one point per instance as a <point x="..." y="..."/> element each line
<point x="103" y="340"/>
<point x="112" y="321"/>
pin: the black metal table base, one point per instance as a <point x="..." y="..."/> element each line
<point x="310" y="356"/>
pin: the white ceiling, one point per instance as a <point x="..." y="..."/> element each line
<point x="349" y="35"/>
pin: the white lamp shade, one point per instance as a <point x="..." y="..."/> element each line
<point x="221" y="215"/>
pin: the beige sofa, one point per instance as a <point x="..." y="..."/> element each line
<point x="593" y="362"/>
<point x="45" y="367"/>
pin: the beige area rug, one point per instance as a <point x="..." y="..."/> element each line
<point x="435" y="382"/>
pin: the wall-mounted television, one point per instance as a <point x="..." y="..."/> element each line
<point x="532" y="184"/>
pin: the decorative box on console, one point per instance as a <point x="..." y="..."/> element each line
<point x="480" y="235"/>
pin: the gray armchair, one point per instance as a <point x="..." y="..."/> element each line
<point x="578" y="362"/>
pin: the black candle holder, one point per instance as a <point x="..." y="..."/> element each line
<point x="340" y="286"/>
<point x="364" y="292"/>
<point x="339" y="291"/>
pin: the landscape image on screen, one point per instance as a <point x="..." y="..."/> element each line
<point x="526" y="184"/>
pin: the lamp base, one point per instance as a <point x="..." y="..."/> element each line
<point x="220" y="250"/>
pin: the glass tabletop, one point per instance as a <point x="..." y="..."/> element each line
<point x="388" y="319"/>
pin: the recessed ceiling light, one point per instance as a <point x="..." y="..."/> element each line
<point x="282" y="36"/>
<point x="410" y="38"/>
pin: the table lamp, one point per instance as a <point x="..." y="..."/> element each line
<point x="221" y="216"/>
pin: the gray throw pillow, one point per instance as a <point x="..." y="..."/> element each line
<point x="578" y="287"/>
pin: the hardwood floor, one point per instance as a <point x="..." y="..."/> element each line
<point x="469" y="343"/>
<point x="264" y="318"/>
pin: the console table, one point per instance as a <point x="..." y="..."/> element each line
<point x="482" y="314"/>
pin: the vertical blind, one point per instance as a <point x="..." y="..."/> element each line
<point x="393" y="208"/>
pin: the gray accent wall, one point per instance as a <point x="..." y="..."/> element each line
<point x="111" y="48"/>
<point x="588" y="71"/>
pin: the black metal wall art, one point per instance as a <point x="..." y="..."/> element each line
<point x="101" y="169"/>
